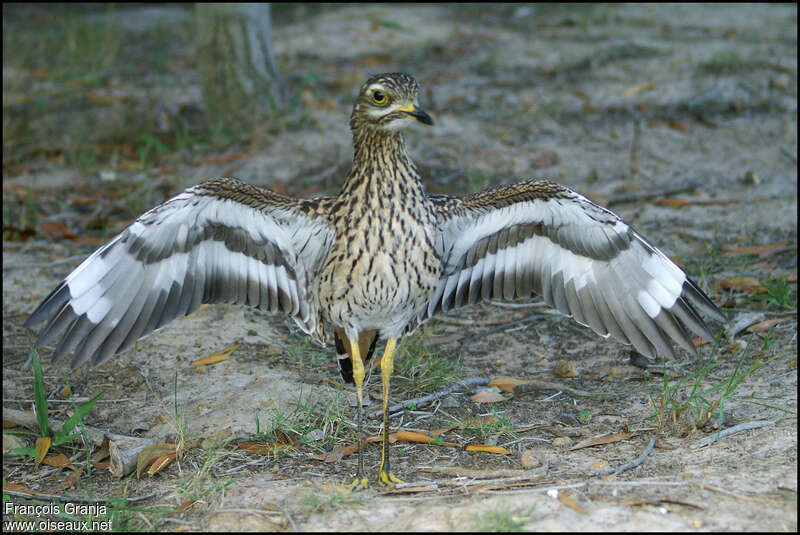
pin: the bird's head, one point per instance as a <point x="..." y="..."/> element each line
<point x="388" y="102"/>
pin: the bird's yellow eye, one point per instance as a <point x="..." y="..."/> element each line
<point x="379" y="97"/>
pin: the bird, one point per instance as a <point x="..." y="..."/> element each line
<point x="374" y="261"/>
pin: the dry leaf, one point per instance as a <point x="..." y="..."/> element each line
<point x="638" y="88"/>
<point x="259" y="448"/>
<point x="487" y="449"/>
<point x="161" y="463"/>
<point x="219" y="356"/>
<point x="764" y="326"/>
<point x="753" y="249"/>
<point x="12" y="233"/>
<point x="571" y="503"/>
<point x="154" y="454"/>
<point x="507" y="384"/>
<point x="663" y="444"/>
<point x="104" y="100"/>
<point x="42" y="446"/>
<point x="674" y="202"/>
<point x="412" y="436"/>
<point x="565" y="369"/>
<point x="333" y="456"/>
<point x="59" y="461"/>
<point x="442" y="431"/>
<point x="487" y="396"/>
<point x="742" y="284"/>
<point x="55" y="229"/>
<point x="185" y="505"/>
<point x="607" y="439"/>
<point x="677" y="202"/>
<point x="19" y="488"/>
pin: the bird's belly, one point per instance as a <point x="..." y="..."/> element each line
<point x="382" y="289"/>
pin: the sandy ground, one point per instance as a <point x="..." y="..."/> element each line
<point x="612" y="101"/>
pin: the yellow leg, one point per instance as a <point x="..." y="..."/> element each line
<point x="360" y="481"/>
<point x="385" y="475"/>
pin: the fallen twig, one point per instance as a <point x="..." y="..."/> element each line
<point x="625" y="467"/>
<point x="52" y="497"/>
<point x="535" y="386"/>
<point x="473" y="381"/>
<point x="476" y="474"/>
<point x="746" y="426"/>
<point x="123" y="449"/>
<point x="652" y="194"/>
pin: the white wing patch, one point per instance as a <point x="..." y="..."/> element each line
<point x="581" y="258"/>
<point x="195" y="248"/>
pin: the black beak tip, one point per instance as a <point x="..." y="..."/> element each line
<point x="423" y="117"/>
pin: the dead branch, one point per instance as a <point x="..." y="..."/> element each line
<point x="733" y="430"/>
<point x="535" y="386"/>
<point x="625" y="467"/>
<point x="124" y="450"/>
<point x="473" y="381"/>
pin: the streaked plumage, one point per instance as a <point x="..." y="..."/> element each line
<point x="375" y="261"/>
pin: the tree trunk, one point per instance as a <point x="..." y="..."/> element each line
<point x="241" y="82"/>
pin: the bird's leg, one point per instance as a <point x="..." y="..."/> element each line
<point x="360" y="481"/>
<point x="385" y="475"/>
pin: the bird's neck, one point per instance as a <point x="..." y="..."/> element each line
<point x="380" y="164"/>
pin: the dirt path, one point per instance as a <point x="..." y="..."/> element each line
<point x="682" y="119"/>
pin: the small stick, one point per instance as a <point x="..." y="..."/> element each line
<point x="61" y="498"/>
<point x="473" y="381"/>
<point x="476" y="474"/>
<point x="625" y="467"/>
<point x="646" y="196"/>
<point x="733" y="430"/>
<point x="535" y="386"/>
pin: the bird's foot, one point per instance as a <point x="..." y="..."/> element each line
<point x="388" y="479"/>
<point x="359" y="483"/>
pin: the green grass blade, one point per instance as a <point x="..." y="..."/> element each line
<point x="39" y="395"/>
<point x="80" y="413"/>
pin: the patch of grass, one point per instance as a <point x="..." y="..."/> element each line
<point x="48" y="439"/>
<point x="308" y="415"/>
<point x="419" y="366"/>
<point x="694" y="397"/>
<point x="725" y="62"/>
<point x="503" y="520"/>
<point x="497" y="424"/>
<point x="202" y="481"/>
<point x="304" y="353"/>
<point x="780" y="294"/>
<point x="332" y="501"/>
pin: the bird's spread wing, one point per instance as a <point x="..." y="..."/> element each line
<point x="221" y="241"/>
<point x="540" y="237"/>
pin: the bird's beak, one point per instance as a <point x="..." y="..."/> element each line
<point x="417" y="113"/>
